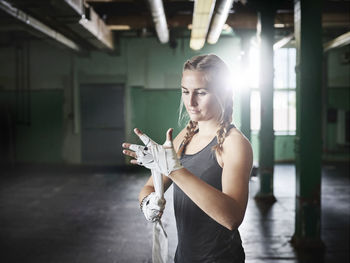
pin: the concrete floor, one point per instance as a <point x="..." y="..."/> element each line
<point x="73" y="215"/>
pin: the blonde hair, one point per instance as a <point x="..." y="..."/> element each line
<point x="217" y="75"/>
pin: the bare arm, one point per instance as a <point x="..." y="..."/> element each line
<point x="226" y="207"/>
<point x="149" y="187"/>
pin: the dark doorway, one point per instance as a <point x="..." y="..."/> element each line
<point x="102" y="119"/>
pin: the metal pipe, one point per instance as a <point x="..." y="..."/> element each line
<point x="159" y="20"/>
<point x="219" y="19"/>
<point x="17" y="83"/>
<point x="28" y="116"/>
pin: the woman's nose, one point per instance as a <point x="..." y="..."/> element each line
<point x="193" y="101"/>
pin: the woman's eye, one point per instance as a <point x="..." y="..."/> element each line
<point x="195" y="93"/>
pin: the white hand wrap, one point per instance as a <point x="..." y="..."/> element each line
<point x="144" y="155"/>
<point x="152" y="207"/>
<point x="165" y="159"/>
<point x="162" y="158"/>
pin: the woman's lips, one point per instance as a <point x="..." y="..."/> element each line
<point x="194" y="111"/>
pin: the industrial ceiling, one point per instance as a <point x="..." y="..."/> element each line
<point x="96" y="24"/>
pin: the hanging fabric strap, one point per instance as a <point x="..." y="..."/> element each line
<point x="160" y="237"/>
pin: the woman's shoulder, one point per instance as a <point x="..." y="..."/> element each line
<point x="235" y="145"/>
<point x="235" y="140"/>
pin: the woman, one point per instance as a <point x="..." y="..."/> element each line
<point x="210" y="172"/>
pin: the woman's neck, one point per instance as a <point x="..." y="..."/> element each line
<point x="208" y="128"/>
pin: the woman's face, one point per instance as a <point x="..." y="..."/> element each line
<point x="200" y="102"/>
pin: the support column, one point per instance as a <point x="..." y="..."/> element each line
<point x="308" y="36"/>
<point x="266" y="135"/>
<point x="245" y="88"/>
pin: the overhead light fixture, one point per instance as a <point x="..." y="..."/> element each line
<point x="219" y="19"/>
<point x="279" y="25"/>
<point x="202" y="12"/>
<point x="119" y="27"/>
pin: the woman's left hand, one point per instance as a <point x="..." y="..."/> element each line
<point x="142" y="155"/>
<point x="162" y="158"/>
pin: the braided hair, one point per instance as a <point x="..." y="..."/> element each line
<point x="217" y="76"/>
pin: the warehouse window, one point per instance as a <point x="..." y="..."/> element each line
<point x="284" y="107"/>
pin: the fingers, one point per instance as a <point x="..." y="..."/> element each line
<point x="130" y="153"/>
<point x="143" y="137"/>
<point x="133" y="155"/>
<point x="134" y="162"/>
<point x="169" y="134"/>
<point x="135" y="147"/>
<point x="138" y="152"/>
<point x="169" y="139"/>
<point x="156" y="208"/>
<point x="138" y="132"/>
<point x="126" y="145"/>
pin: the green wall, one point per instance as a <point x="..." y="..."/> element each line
<point x="338" y="98"/>
<point x="40" y="139"/>
<point x="151" y="74"/>
<point x="154" y="111"/>
<point x="283" y="146"/>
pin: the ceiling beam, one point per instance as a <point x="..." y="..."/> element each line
<point x="108" y="1"/>
<point x="284" y="41"/>
<point x="32" y="23"/>
<point x="243" y="21"/>
<point x="340" y="41"/>
<point x="94" y="30"/>
<point x="235" y="20"/>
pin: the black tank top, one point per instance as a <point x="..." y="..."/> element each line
<point x="200" y="238"/>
